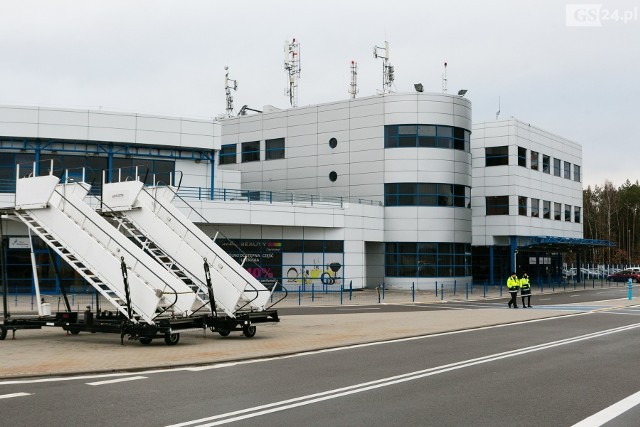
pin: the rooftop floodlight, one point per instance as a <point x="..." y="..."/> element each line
<point x="419" y="87"/>
<point x="461" y="92"/>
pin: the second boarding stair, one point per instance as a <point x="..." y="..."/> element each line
<point x="58" y="214"/>
<point x="150" y="213"/>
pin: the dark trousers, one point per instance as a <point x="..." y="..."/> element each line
<point x="526" y="294"/>
<point x="514" y="298"/>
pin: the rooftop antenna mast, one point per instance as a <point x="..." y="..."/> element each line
<point x="228" y="85"/>
<point x="444" y="79"/>
<point x="498" y="112"/>
<point x="292" y="67"/>
<point x="387" y="69"/>
<point x="353" y="89"/>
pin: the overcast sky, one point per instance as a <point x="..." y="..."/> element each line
<point x="168" y="57"/>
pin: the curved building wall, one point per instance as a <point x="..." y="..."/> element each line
<point x="340" y="149"/>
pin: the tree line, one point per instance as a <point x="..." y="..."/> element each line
<point x="612" y="214"/>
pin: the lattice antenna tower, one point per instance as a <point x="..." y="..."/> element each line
<point x="228" y="85"/>
<point x="444" y="79"/>
<point x="292" y="67"/>
<point x="353" y="87"/>
<point x="387" y="69"/>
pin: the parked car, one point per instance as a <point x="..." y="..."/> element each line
<point x="625" y="275"/>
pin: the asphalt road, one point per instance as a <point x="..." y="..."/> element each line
<point x="554" y="372"/>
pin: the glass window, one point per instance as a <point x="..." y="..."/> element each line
<point x="274" y="149"/>
<point x="445" y="137"/>
<point x="522" y="157"/>
<point x="567" y="170"/>
<point x="534" y="160"/>
<point x="251" y="151"/>
<point x="545" y="164"/>
<point x="427" y="259"/>
<point x="427" y="136"/>
<point x="557" y="211"/>
<point x="535" y="208"/>
<point x="227" y="154"/>
<point x="427" y="194"/>
<point x="567" y="213"/>
<point x="576" y="214"/>
<point x="576" y="173"/>
<point x="556" y="167"/>
<point x="496" y="156"/>
<point x="497" y="205"/>
<point x="522" y="205"/>
<point x="546" y="209"/>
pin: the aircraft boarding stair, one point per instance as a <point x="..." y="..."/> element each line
<point x="148" y="215"/>
<point x="58" y="214"/>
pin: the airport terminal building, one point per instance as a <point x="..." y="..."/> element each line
<point x="399" y="188"/>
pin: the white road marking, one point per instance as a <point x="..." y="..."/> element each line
<point x="9" y="396"/>
<point x="363" y="308"/>
<point x="545" y="299"/>
<point x="117" y="380"/>
<point x="607" y="414"/>
<point x="573" y="296"/>
<point x="257" y="411"/>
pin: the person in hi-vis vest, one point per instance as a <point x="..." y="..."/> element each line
<point x="513" y="284"/>
<point x="525" y="290"/>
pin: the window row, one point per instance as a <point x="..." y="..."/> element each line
<point x="499" y="205"/>
<point x="427" y="194"/>
<point x="499" y="156"/>
<point x="250" y="151"/>
<point x="427" y="259"/>
<point x="426" y="136"/>
<point x="148" y="169"/>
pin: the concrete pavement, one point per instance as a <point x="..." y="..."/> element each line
<point x="50" y="351"/>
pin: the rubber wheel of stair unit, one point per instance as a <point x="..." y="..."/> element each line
<point x="3" y="334"/>
<point x="224" y="333"/>
<point x="145" y="340"/>
<point x="172" y="339"/>
<point x="249" y="331"/>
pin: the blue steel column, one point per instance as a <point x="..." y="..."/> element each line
<point x="110" y="164"/>
<point x="491" y="273"/>
<point x="213" y="168"/>
<point x="514" y="247"/>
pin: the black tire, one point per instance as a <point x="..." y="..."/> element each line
<point x="74" y="331"/>
<point x="171" y="338"/>
<point x="3" y="334"/>
<point x="145" y="340"/>
<point x="249" y="331"/>
<point x="224" y="332"/>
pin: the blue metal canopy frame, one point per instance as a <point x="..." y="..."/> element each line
<point x="561" y="243"/>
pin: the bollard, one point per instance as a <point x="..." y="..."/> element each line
<point x="382" y="290"/>
<point x="436" y="289"/>
<point x="630" y="284"/>
<point x="378" y="289"/>
<point x="467" y="290"/>
<point x="350" y="289"/>
<point x="441" y="291"/>
<point x="413" y="291"/>
<point x="454" y="287"/>
<point x="484" y="289"/>
<point x="299" y="295"/>
<point x="313" y="293"/>
<point x="341" y="292"/>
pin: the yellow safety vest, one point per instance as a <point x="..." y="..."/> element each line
<point x="513" y="283"/>
<point x="524" y="283"/>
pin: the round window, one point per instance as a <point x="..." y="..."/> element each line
<point x="333" y="176"/>
<point x="333" y="143"/>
